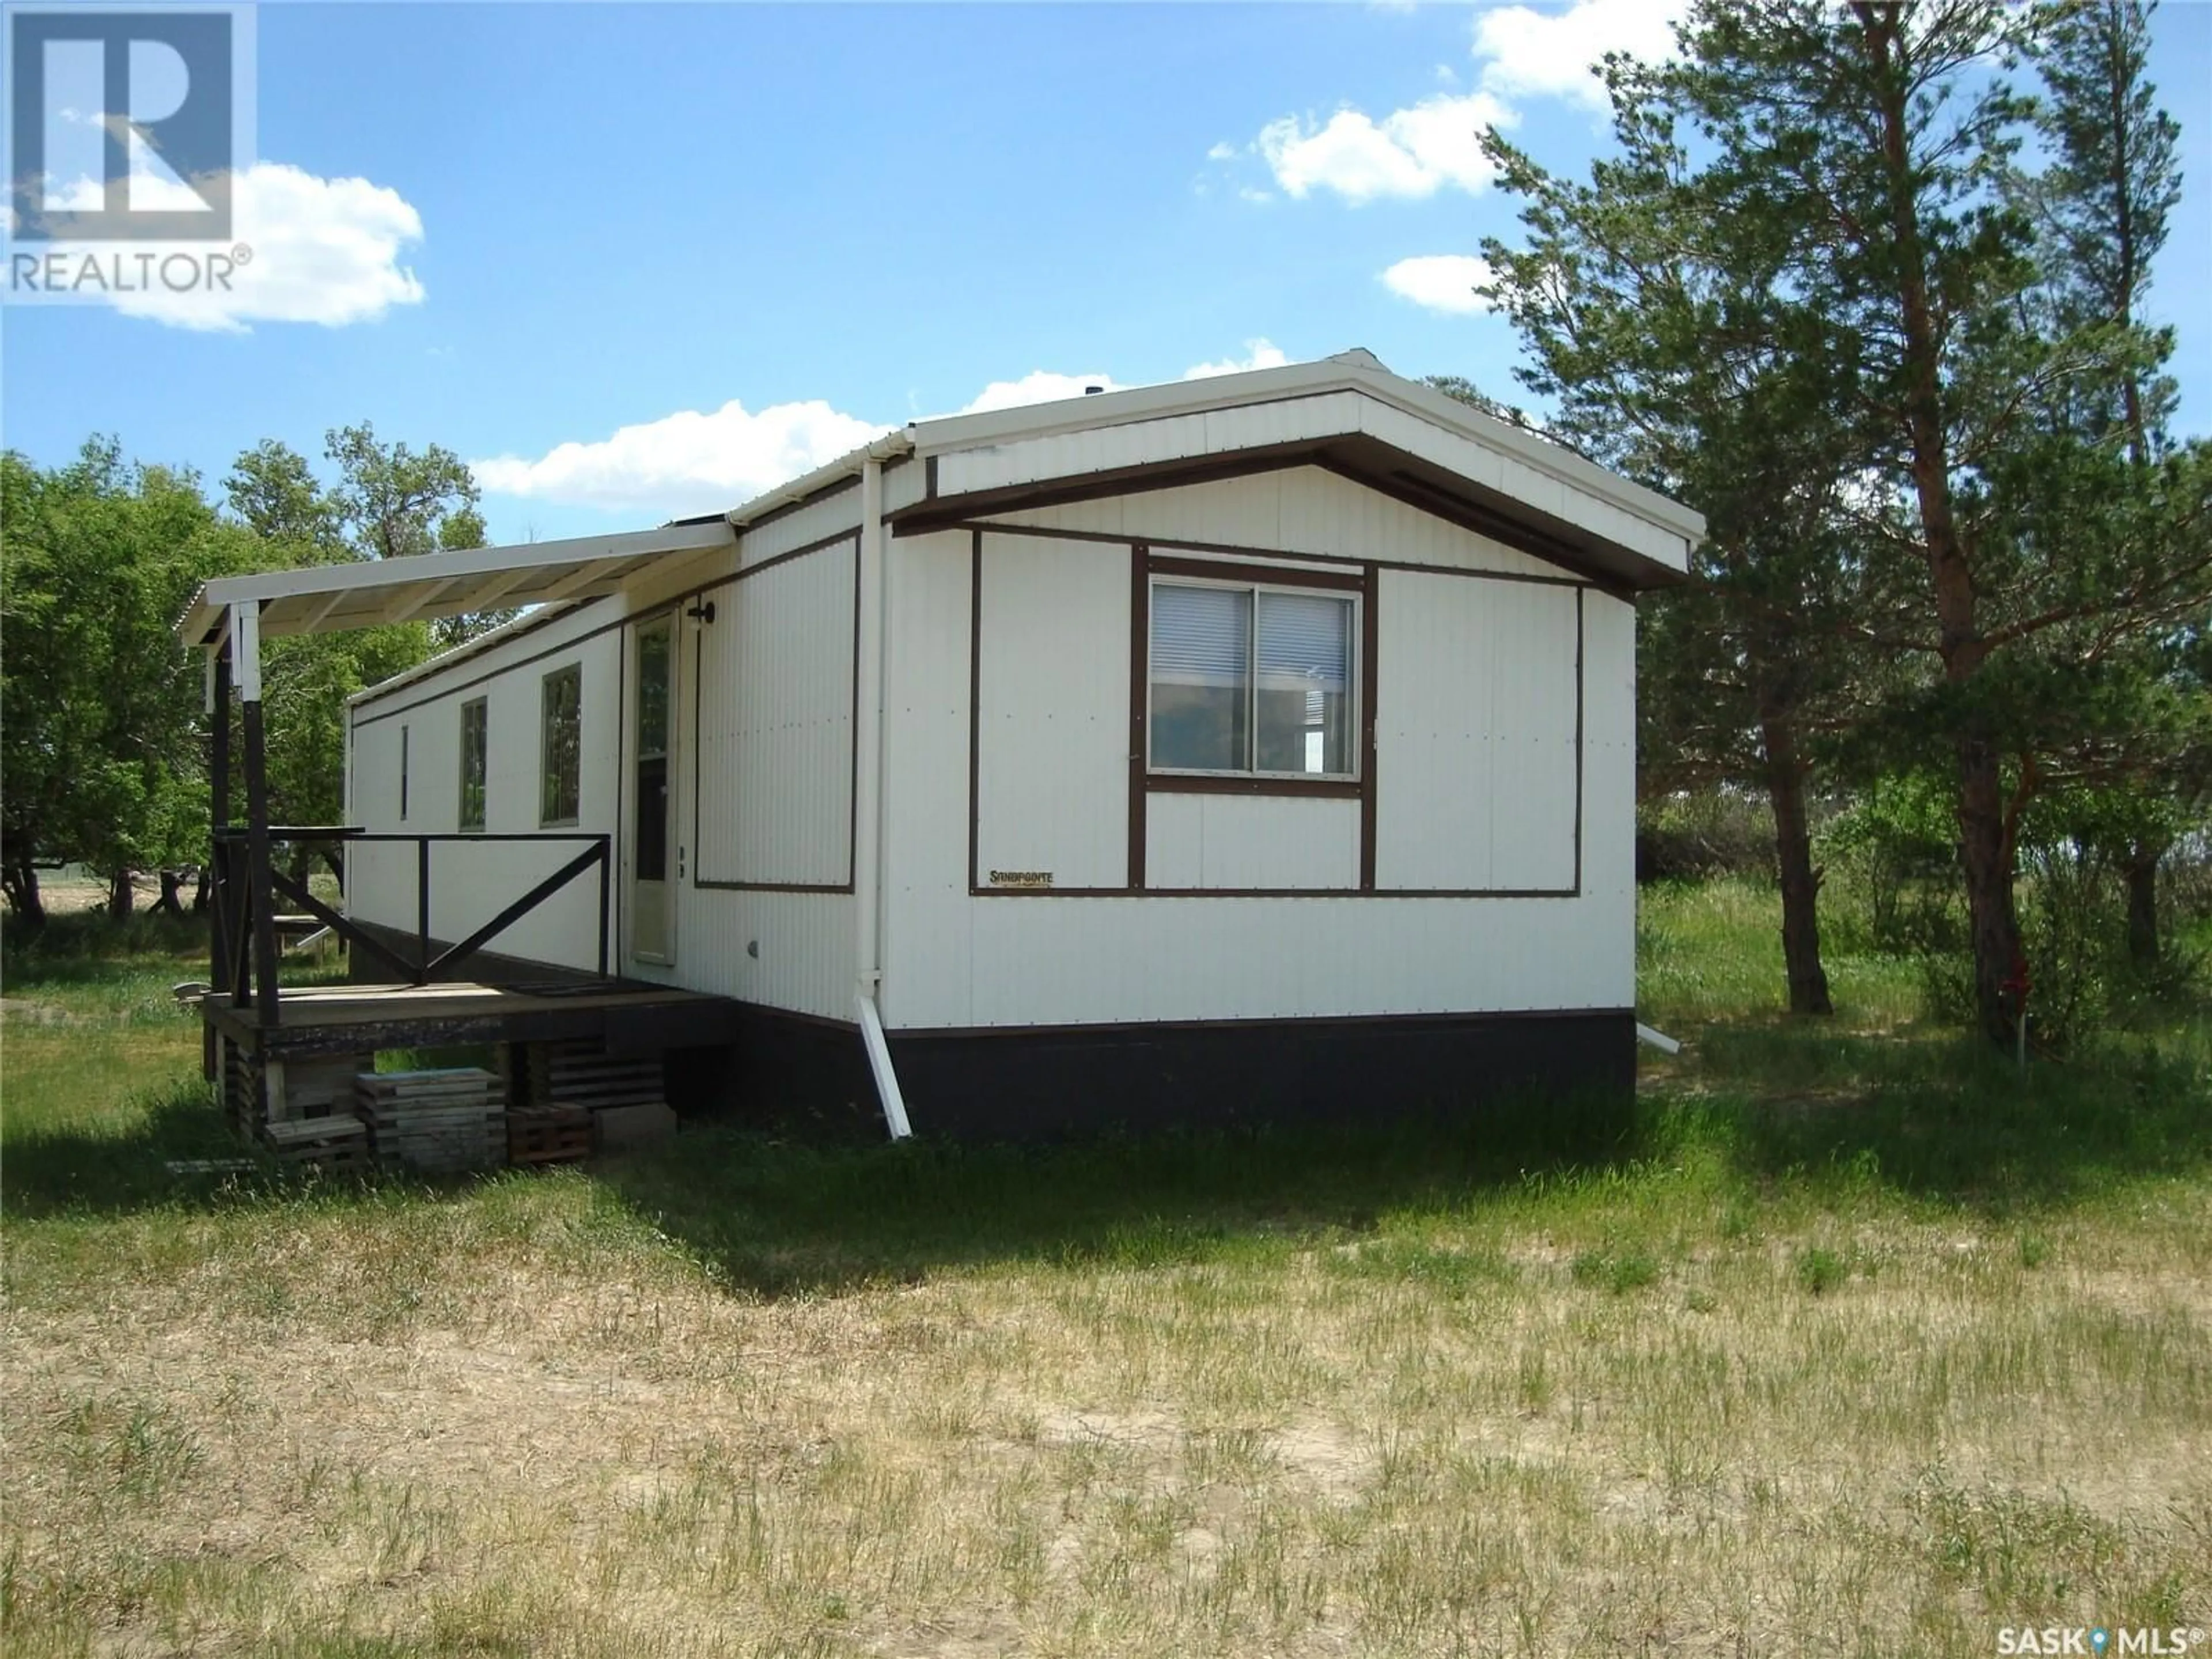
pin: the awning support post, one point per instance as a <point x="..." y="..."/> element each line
<point x="246" y="640"/>
<point x="218" y="708"/>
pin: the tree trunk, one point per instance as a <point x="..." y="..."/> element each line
<point x="1793" y="854"/>
<point x="120" y="896"/>
<point x="1985" y="841"/>
<point x="19" y="878"/>
<point x="173" y="882"/>
<point x="2139" y="869"/>
<point x="1985" y="856"/>
<point x="203" y="889"/>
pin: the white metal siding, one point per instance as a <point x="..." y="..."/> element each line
<point x="1136" y="443"/>
<point x="833" y="515"/>
<point x="790" y="951"/>
<point x="1051" y="781"/>
<point x="929" y="923"/>
<point x="1304" y="509"/>
<point x="1251" y="840"/>
<point x="1475" y="734"/>
<point x="774" y="740"/>
<point x="957" y="961"/>
<point x="472" y="881"/>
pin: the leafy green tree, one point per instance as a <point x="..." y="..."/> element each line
<point x="308" y="678"/>
<point x="274" y="493"/>
<point x="2131" y="761"/>
<point x="1849" y="163"/>
<point x="393" y="502"/>
<point x="100" y="757"/>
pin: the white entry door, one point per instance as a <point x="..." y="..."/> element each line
<point x="655" y="859"/>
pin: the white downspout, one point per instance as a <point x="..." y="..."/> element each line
<point x="868" y="800"/>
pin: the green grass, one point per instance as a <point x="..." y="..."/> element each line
<point x="1846" y="1338"/>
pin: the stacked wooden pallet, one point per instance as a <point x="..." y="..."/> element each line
<point x="337" y="1142"/>
<point x="314" y="1085"/>
<point x="584" y="1074"/>
<point x="436" y="1122"/>
<point x="243" y="1107"/>
<point x="548" y="1134"/>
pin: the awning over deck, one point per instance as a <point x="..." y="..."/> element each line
<point x="327" y="598"/>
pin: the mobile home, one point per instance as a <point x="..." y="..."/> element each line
<point x="1254" y="746"/>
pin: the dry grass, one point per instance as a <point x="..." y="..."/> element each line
<point x="1736" y="1388"/>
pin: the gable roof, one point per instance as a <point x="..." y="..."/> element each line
<point x="1346" y="412"/>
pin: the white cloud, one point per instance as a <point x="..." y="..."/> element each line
<point x="1548" y="53"/>
<point x="684" y="463"/>
<point x="321" y="251"/>
<point x="1521" y="50"/>
<point x="1409" y="153"/>
<point x="1259" y="354"/>
<point x="1440" y="281"/>
<point x="1039" y="385"/>
<point x="693" y="461"/>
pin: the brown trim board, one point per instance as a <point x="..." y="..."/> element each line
<point x="975" y="702"/>
<point x="1140" y="650"/>
<point x="1216" y="570"/>
<point x="1238" y="783"/>
<point x="1371" y="635"/>
<point x="1337" y="563"/>
<point x="1581" y="759"/>
<point x="1361" y="459"/>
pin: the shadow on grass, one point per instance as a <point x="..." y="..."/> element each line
<point x="1778" y="1109"/>
<point x="86" y="948"/>
<point x="94" y="1170"/>
<point x="783" y="1219"/>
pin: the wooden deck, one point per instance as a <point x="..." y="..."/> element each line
<point x="628" y="1016"/>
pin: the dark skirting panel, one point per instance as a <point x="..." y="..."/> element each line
<point x="1028" y="1084"/>
<point x="784" y="1072"/>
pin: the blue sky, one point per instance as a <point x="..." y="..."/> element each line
<point x="643" y="260"/>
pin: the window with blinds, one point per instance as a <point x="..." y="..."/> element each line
<point x="1251" y="679"/>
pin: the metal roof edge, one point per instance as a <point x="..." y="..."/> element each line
<point x="1175" y="397"/>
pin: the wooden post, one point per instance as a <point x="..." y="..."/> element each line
<point x="218" y="815"/>
<point x="606" y="880"/>
<point x="422" y="910"/>
<point x="246" y="640"/>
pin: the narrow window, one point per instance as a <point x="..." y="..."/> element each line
<point x="560" y="749"/>
<point x="403" y="773"/>
<point x="1251" y="679"/>
<point x="475" y="723"/>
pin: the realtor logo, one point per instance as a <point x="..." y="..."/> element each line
<point x="127" y="124"/>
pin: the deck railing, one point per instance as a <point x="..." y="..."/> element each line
<point x="243" y="948"/>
